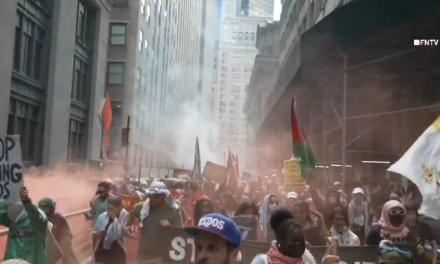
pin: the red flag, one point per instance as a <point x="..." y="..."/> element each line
<point x="107" y="117"/>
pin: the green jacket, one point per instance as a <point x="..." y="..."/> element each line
<point x="27" y="238"/>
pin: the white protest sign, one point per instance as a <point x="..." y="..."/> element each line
<point x="11" y="172"/>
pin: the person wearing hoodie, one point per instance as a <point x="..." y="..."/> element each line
<point x="28" y="229"/>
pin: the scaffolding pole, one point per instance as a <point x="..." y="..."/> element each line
<point x="344" y="119"/>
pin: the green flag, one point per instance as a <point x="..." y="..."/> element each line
<point x="300" y="146"/>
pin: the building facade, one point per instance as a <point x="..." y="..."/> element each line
<point x="361" y="119"/>
<point x="265" y="73"/>
<point x="256" y="8"/>
<point x="156" y="51"/>
<point x="54" y="56"/>
<point x="235" y="59"/>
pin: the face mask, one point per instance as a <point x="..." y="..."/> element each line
<point x="396" y="220"/>
<point x="296" y="250"/>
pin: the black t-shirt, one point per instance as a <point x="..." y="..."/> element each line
<point x="114" y="255"/>
<point x="375" y="236"/>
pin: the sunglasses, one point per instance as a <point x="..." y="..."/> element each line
<point x="385" y="249"/>
<point x="396" y="211"/>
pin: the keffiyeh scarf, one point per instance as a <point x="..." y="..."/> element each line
<point x="275" y="257"/>
<point x="342" y="237"/>
<point x="114" y="231"/>
<point x="264" y="216"/>
<point x="157" y="187"/>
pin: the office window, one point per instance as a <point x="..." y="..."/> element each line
<point x="80" y="80"/>
<point x="118" y="34"/>
<point x="144" y="84"/>
<point x="115" y="73"/>
<point x="234" y="35"/>
<point x="240" y="36"/>
<point x="28" y="47"/>
<point x="138" y="78"/>
<point x="148" y="12"/>
<point x="137" y="117"/>
<point x="246" y="36"/>
<point x="141" y="39"/>
<point x="76" y="139"/>
<point x="142" y="7"/>
<point x="83" y="24"/>
<point x="146" y="48"/>
<point x="252" y="36"/>
<point x="23" y="120"/>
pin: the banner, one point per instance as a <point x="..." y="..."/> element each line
<point x="11" y="172"/>
<point x="179" y="248"/>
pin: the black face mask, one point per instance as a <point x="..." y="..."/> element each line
<point x="296" y="250"/>
<point x="396" y="220"/>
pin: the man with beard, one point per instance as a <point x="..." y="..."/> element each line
<point x="157" y="212"/>
<point x="217" y="240"/>
<point x="99" y="204"/>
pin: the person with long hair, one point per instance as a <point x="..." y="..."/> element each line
<point x="339" y="229"/>
<point x="290" y="244"/>
<point x="312" y="232"/>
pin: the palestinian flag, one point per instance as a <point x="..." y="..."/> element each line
<point x="300" y="145"/>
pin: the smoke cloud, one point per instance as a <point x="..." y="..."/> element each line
<point x="194" y="124"/>
<point x="72" y="192"/>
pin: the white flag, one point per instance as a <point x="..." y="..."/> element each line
<point x="421" y="164"/>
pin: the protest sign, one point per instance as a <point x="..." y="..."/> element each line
<point x="11" y="169"/>
<point x="179" y="248"/>
<point x="292" y="174"/>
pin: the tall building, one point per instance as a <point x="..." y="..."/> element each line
<point x="53" y="77"/>
<point x="256" y="8"/>
<point x="236" y="55"/>
<point x="155" y="55"/>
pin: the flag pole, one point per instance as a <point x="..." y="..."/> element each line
<point x="344" y="126"/>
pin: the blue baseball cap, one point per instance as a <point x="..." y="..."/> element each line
<point x="219" y="225"/>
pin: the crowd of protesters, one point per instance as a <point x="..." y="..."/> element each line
<point x="260" y="209"/>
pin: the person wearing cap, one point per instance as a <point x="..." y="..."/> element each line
<point x="358" y="215"/>
<point x="60" y="230"/>
<point x="158" y="212"/>
<point x="217" y="240"/>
